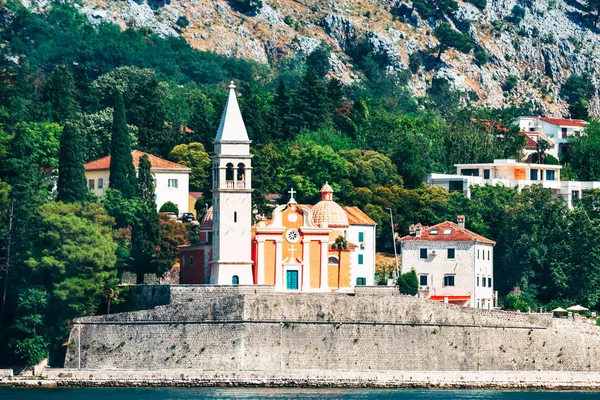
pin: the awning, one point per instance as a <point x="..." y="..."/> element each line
<point x="577" y="308"/>
<point x="450" y="298"/>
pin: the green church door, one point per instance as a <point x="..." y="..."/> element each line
<point x="291" y="279"/>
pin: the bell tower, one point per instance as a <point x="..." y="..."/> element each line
<point x="232" y="199"/>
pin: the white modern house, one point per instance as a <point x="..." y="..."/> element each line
<point x="555" y="130"/>
<point x="171" y="180"/>
<point x="511" y="174"/>
<point x="453" y="264"/>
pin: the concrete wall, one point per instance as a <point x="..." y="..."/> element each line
<point x="252" y="328"/>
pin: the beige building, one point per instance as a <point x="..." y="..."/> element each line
<point x="453" y="264"/>
<point x="171" y="180"/>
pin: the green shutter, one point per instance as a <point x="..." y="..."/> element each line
<point x="361" y="237"/>
<point x="360" y="259"/>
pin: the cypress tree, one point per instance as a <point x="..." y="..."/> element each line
<point x="145" y="233"/>
<point x="71" y="178"/>
<point x="122" y="171"/>
<point x="61" y="92"/>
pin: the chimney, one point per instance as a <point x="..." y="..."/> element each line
<point x="460" y="220"/>
<point x="418" y="230"/>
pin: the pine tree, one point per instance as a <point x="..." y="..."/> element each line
<point x="122" y="171"/>
<point x="311" y="102"/>
<point x="145" y="234"/>
<point x="61" y="92"/>
<point x="71" y="178"/>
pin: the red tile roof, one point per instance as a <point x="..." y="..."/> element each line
<point x="457" y="234"/>
<point x="156" y="162"/>
<point x="196" y="195"/>
<point x="357" y="217"/>
<point x="564" y="122"/>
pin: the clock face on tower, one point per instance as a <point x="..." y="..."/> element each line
<point x="292" y="235"/>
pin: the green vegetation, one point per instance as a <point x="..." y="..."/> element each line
<point x="408" y="283"/>
<point x="82" y="91"/>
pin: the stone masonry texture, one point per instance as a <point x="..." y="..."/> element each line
<point x="253" y="328"/>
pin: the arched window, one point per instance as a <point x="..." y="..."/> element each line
<point x="191" y="260"/>
<point x="235" y="280"/>
<point x="235" y="216"/>
<point x="333" y="260"/>
<point x="241" y="172"/>
<point x="229" y="172"/>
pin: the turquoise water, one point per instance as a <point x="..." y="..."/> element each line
<point x="258" y="393"/>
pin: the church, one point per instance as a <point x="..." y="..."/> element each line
<point x="310" y="248"/>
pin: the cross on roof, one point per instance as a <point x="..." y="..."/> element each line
<point x="292" y="192"/>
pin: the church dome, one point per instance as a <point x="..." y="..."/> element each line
<point x="329" y="211"/>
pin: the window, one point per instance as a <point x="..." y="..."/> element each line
<point x="550" y="175"/>
<point x="478" y="254"/>
<point x="235" y="216"/>
<point x="488" y="255"/>
<point x="449" y="280"/>
<point x="564" y="132"/>
<point x="456" y="186"/>
<point x="229" y="172"/>
<point x="489" y="282"/>
<point x="241" y="172"/>
<point x="235" y="280"/>
<point x="183" y="261"/>
<point x="451" y="254"/>
<point x="423" y="280"/>
<point x="433" y="232"/>
<point x="533" y="175"/>
<point x="173" y="183"/>
<point x="361" y="237"/>
<point x="209" y="237"/>
<point x="360" y="259"/>
<point x="191" y="260"/>
<point x="291" y="280"/>
<point x="333" y="260"/>
<point x="100" y="183"/>
<point x="469" y="172"/>
<point x="486" y="174"/>
<point x="423" y="254"/>
<point x="91" y="184"/>
<point x="361" y="281"/>
<point x="447" y="231"/>
<point x="478" y="281"/>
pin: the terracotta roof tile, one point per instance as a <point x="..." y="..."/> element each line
<point x="156" y="162"/>
<point x="196" y="195"/>
<point x="457" y="234"/>
<point x="357" y="217"/>
<point x="564" y="122"/>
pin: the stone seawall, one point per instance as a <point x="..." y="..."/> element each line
<point x="373" y="330"/>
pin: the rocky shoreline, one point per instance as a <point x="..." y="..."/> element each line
<point x="531" y="380"/>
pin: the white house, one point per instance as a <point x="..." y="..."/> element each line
<point x="511" y="174"/>
<point x="171" y="180"/>
<point x="453" y="264"/>
<point x="556" y="130"/>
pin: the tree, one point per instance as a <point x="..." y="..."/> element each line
<point x="71" y="178"/>
<point x="340" y="244"/>
<point x="408" y="283"/>
<point x="580" y="110"/>
<point x="169" y="206"/>
<point x="61" y="92"/>
<point x="29" y="341"/>
<point x="145" y="231"/>
<point x="311" y="105"/>
<point x="585" y="154"/>
<point x="541" y="147"/>
<point x="594" y="6"/>
<point x="172" y="235"/>
<point x="319" y="60"/>
<point x="122" y="171"/>
<point x="577" y="88"/>
<point x="448" y="37"/>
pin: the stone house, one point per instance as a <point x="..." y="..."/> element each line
<point x="453" y="264"/>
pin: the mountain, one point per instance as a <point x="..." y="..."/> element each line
<point x="531" y="47"/>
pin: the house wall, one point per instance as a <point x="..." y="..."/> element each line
<point x="367" y="269"/>
<point x="95" y="175"/>
<point x="484" y="268"/>
<point x="439" y="265"/>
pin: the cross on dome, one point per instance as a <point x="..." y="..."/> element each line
<point x="292" y="192"/>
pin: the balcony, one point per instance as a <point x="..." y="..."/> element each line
<point x="235" y="184"/>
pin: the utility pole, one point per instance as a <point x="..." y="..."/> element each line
<point x="394" y="241"/>
<point x="10" y="220"/>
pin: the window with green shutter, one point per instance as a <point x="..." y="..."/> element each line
<point x="360" y="259"/>
<point x="361" y="237"/>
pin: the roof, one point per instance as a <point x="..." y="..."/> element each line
<point x="330" y="212"/>
<point x="564" y="122"/>
<point x="457" y="234"/>
<point x="357" y="217"/>
<point x="196" y="195"/>
<point x="156" y="162"/>
<point x="532" y="143"/>
<point x="232" y="126"/>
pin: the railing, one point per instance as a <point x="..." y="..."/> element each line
<point x="240" y="184"/>
<point x="235" y="184"/>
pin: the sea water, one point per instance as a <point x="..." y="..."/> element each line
<point x="283" y="393"/>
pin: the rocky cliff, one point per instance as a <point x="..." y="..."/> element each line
<point x="551" y="41"/>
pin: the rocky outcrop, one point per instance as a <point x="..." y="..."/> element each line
<point x="553" y="40"/>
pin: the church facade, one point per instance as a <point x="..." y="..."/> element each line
<point x="302" y="247"/>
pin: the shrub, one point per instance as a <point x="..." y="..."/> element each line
<point x="250" y="7"/>
<point x="414" y="62"/>
<point x="408" y="283"/>
<point x="481" y="57"/>
<point x="510" y="83"/>
<point x="478" y="3"/>
<point x="169" y="206"/>
<point x="183" y="22"/>
<point x="517" y="14"/>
